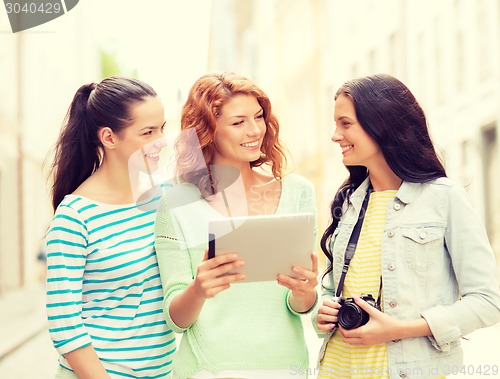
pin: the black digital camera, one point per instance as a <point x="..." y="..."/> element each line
<point x="351" y="316"/>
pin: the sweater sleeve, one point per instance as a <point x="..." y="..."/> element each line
<point x="174" y="260"/>
<point x="66" y="246"/>
<point x="303" y="200"/>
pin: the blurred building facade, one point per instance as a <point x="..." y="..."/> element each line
<point x="40" y="71"/>
<point x="447" y="52"/>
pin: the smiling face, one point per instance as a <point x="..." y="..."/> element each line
<point x="140" y="143"/>
<point x="358" y="148"/>
<point x="240" y="129"/>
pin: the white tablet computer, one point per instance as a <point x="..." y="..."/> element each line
<point x="269" y="245"/>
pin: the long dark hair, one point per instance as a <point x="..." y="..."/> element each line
<point x="390" y="114"/>
<point x="78" y="151"/>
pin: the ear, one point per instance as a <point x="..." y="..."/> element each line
<point x="107" y="137"/>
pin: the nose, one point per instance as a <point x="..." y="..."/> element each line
<point x="337" y="136"/>
<point x="253" y="129"/>
<point x="160" y="143"/>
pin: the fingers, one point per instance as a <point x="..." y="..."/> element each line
<point x="210" y="288"/>
<point x="314" y="258"/>
<point x="305" y="276"/>
<point x="372" y="311"/>
<point x="325" y="328"/>
<point x="215" y="275"/>
<point x="328" y="315"/>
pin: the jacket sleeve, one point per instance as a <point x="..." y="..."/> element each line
<point x="327" y="292"/>
<point x="474" y="267"/>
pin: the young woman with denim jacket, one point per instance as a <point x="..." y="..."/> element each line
<point x="422" y="249"/>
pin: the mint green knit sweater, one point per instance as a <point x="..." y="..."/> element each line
<point x="249" y="326"/>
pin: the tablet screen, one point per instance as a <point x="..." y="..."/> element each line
<point x="269" y="244"/>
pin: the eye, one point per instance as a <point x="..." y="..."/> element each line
<point x="148" y="133"/>
<point x="162" y="128"/>
<point x="260" y="116"/>
<point x="238" y="123"/>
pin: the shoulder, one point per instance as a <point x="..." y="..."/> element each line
<point x="73" y="205"/>
<point x="70" y="213"/>
<point x="446" y="186"/>
<point x="178" y="199"/>
<point x="437" y="192"/>
<point x="298" y="181"/>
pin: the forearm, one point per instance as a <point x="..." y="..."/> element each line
<point x="410" y="329"/>
<point x="86" y="364"/>
<point x="186" y="307"/>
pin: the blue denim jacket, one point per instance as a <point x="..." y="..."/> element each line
<point x="437" y="264"/>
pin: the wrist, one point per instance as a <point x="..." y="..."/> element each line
<point x="303" y="304"/>
<point x="193" y="292"/>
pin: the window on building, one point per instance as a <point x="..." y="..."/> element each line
<point x="393" y="53"/>
<point x="459" y="46"/>
<point x="372" y="59"/>
<point x="460" y="60"/>
<point x="354" y="70"/>
<point x="484" y="39"/>
<point x="421" y="66"/>
<point x="438" y="59"/>
<point x="490" y="174"/>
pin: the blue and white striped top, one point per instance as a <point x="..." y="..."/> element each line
<point x="104" y="288"/>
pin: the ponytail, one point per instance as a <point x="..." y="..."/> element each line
<point x="77" y="153"/>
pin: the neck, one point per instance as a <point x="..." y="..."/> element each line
<point x="227" y="174"/>
<point x="383" y="178"/>
<point x="118" y="180"/>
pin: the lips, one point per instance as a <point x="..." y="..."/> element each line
<point x="250" y="144"/>
<point x="155" y="157"/>
<point x="346" y="148"/>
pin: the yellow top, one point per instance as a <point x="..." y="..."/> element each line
<point x="342" y="360"/>
<point x="347" y="361"/>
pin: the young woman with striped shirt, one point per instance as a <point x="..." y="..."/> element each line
<point x="104" y="294"/>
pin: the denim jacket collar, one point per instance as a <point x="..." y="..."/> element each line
<point x="356" y="199"/>
<point x="406" y="193"/>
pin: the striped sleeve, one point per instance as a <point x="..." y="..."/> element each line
<point x="66" y="244"/>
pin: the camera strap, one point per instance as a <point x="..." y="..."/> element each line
<point x="353" y="241"/>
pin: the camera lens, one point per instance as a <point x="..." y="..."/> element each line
<point x="351" y="316"/>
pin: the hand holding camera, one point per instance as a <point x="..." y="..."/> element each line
<point x="351" y="315"/>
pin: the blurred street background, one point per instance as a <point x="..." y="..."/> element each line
<point x="298" y="51"/>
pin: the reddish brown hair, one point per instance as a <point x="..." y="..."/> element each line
<point x="200" y="112"/>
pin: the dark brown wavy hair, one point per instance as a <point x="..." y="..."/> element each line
<point x="200" y="112"/>
<point x="389" y="113"/>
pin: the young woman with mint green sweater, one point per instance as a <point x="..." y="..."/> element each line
<point x="231" y="330"/>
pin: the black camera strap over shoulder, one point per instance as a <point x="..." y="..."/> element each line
<point x="353" y="241"/>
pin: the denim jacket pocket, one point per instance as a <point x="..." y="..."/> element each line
<point x="421" y="245"/>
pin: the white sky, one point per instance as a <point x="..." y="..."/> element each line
<point x="165" y="40"/>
